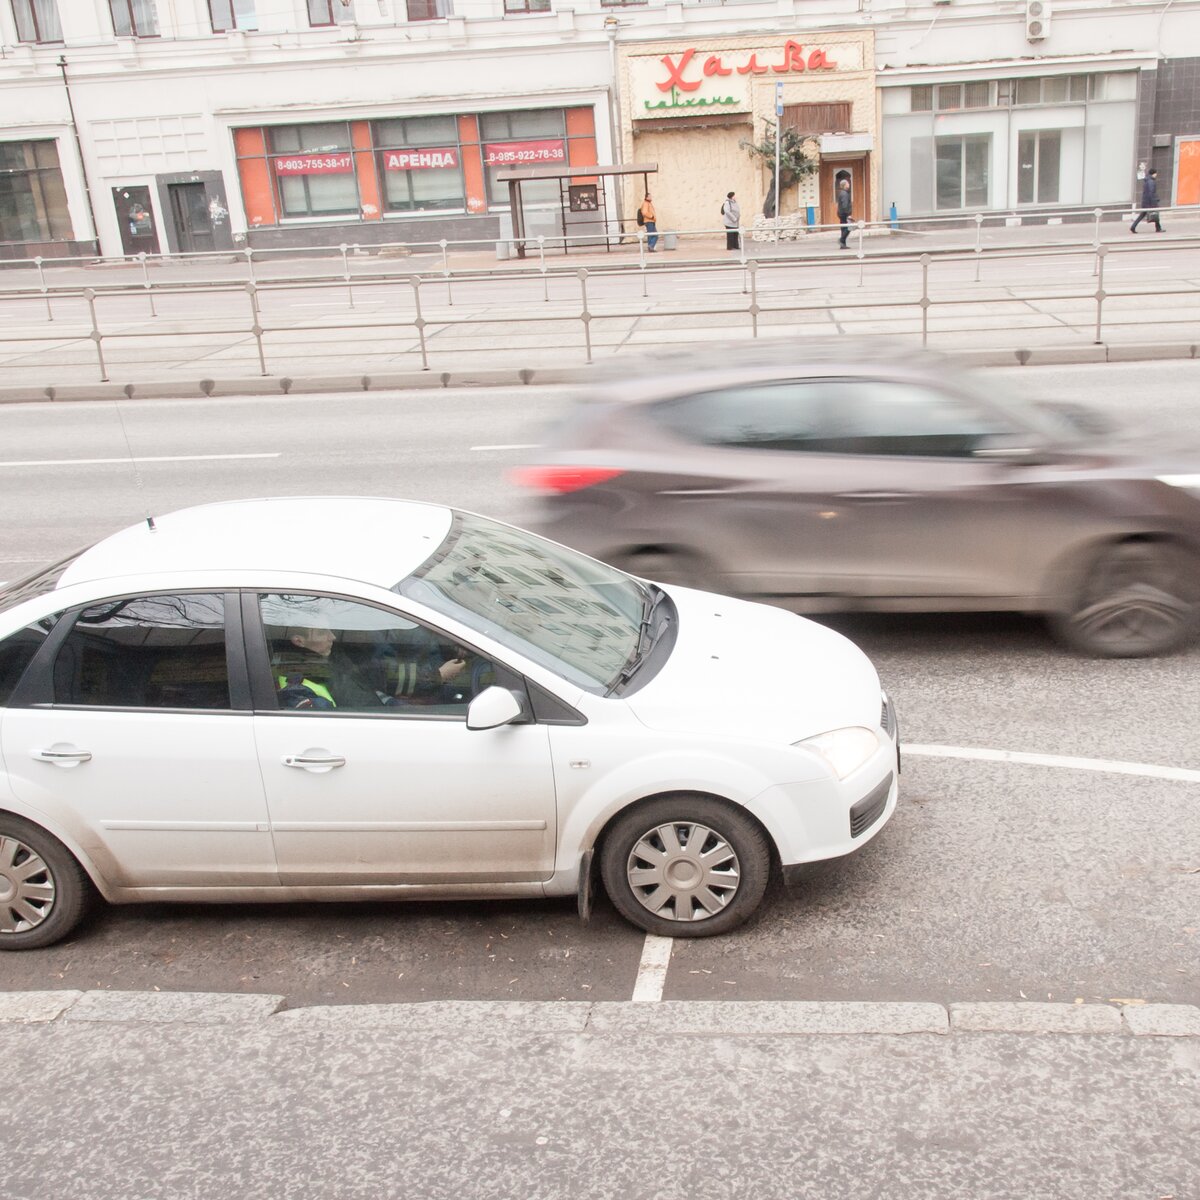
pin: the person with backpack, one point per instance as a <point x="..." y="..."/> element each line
<point x="731" y="214"/>
<point x="1149" y="202"/>
<point x="646" y="217"/>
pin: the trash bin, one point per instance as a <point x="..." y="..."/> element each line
<point x="670" y="241"/>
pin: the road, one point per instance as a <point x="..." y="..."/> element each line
<point x="995" y="880"/>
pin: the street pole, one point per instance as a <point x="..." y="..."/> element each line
<point x="778" y="140"/>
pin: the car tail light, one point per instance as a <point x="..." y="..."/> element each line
<point x="562" y="480"/>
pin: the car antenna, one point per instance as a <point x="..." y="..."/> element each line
<point x="137" y="475"/>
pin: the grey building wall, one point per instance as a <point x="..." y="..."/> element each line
<point x="1175" y="113"/>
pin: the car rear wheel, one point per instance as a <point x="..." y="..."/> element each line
<point x="685" y="866"/>
<point x="1138" y="599"/>
<point x="43" y="890"/>
<point x="678" y="567"/>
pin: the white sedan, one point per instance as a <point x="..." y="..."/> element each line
<point x="343" y="699"/>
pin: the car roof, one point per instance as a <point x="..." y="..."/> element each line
<point x="371" y="540"/>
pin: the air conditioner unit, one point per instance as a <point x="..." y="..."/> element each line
<point x="1037" y="20"/>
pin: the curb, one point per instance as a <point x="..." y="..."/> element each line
<point x="273" y="385"/>
<point x="605" y="1018"/>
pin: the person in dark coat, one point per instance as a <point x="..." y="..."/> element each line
<point x="845" y="208"/>
<point x="1149" y="202"/>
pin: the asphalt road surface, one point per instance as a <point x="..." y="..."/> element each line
<point x="996" y="880"/>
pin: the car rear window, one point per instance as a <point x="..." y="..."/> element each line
<point x="39" y="583"/>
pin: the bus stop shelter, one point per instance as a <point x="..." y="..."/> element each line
<point x="581" y="193"/>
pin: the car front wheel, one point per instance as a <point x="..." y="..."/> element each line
<point x="43" y="890"/>
<point x="1138" y="599"/>
<point x="685" y="866"/>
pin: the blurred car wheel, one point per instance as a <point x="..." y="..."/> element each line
<point x="43" y="890"/>
<point x="685" y="866"/>
<point x="1138" y="599"/>
<point x="679" y="567"/>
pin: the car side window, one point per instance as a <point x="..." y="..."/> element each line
<point x="329" y="654"/>
<point x="17" y="651"/>
<point x="158" y="651"/>
<point x="831" y="416"/>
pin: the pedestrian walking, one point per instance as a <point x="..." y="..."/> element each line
<point x="647" y="218"/>
<point x="845" y="207"/>
<point x="1149" y="203"/>
<point x="731" y="214"/>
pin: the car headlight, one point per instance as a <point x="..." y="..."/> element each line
<point x="845" y="750"/>
<point x="1181" y="481"/>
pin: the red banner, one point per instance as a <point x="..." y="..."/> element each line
<point x="313" y="164"/>
<point x="525" y="154"/>
<point x="420" y="160"/>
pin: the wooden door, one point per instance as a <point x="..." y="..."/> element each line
<point x="832" y="171"/>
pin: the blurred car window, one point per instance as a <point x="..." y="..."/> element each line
<point x="159" y="651"/>
<point x="833" y="416"/>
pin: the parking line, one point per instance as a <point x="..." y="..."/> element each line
<point x="164" y="458"/>
<point x="652" y="970"/>
<point x="1104" y="765"/>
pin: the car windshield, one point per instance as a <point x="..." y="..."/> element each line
<point x="37" y="584"/>
<point x="576" y="616"/>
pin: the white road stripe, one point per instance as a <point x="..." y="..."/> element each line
<point x="1105" y="765"/>
<point x="652" y="970"/>
<point x="510" y="446"/>
<point x="163" y="458"/>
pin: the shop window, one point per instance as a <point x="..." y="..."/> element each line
<point x="33" y="202"/>
<point x="429" y="10"/>
<point x="232" y="14"/>
<point x="1115" y="86"/>
<point x="526" y="6"/>
<point x="1039" y="155"/>
<point x="949" y="96"/>
<point x="420" y="163"/>
<point x="921" y="98"/>
<point x="977" y="95"/>
<point x="314" y="169"/>
<point x="961" y="171"/>
<point x="535" y="138"/>
<point x="1054" y="89"/>
<point x="1029" y="91"/>
<point x="37" y="20"/>
<point x="330" y="12"/>
<point x="133" y="18"/>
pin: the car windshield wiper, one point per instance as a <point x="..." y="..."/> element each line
<point x="652" y="597"/>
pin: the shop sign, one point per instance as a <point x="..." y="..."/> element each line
<point x="680" y="84"/>
<point x="419" y="160"/>
<point x="503" y="154"/>
<point x="313" y="164"/>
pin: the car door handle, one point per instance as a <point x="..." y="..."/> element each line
<point x="312" y="762"/>
<point x="62" y="758"/>
<point x="872" y="495"/>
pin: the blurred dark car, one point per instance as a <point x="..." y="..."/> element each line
<point x="837" y="478"/>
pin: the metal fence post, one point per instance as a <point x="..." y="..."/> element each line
<point x="446" y="270"/>
<point x="256" y="327"/>
<point x="752" y="268"/>
<point x="860" y="228"/>
<point x="978" y="243"/>
<point x="1101" y="252"/>
<point x="541" y="240"/>
<point x="346" y="273"/>
<point x="585" y="316"/>
<point x="419" y="320"/>
<point x="1096" y="266"/>
<point x="90" y="296"/>
<point x="146" y="282"/>
<point x="249" y="253"/>
<point x="925" y="301"/>
<point x="45" y="289"/>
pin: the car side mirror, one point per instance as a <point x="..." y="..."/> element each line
<point x="493" y="707"/>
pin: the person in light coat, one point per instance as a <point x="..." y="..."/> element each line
<point x="731" y="214"/>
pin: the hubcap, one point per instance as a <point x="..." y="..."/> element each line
<point x="26" y="887"/>
<point x="683" y="871"/>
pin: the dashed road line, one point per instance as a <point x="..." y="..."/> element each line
<point x="511" y="446"/>
<point x="1102" y="765"/>
<point x="163" y="458"/>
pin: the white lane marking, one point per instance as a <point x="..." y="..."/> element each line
<point x="162" y="458"/>
<point x="510" y="446"/>
<point x="1105" y="765"/>
<point x="652" y="970"/>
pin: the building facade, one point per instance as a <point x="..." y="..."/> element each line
<point x="188" y="125"/>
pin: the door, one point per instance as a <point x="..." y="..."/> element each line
<point x="132" y="739"/>
<point x="371" y="774"/>
<point x="190" y="216"/>
<point x="832" y="173"/>
<point x="135" y="218"/>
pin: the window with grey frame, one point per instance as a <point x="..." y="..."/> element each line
<point x="232" y="14"/>
<point x="1039" y="156"/>
<point x="133" y="18"/>
<point x="961" y="171"/>
<point x="526" y="6"/>
<point x="37" y="20"/>
<point x="429" y="10"/>
<point x="33" y="201"/>
<point x="324" y="183"/>
<point x="322" y="13"/>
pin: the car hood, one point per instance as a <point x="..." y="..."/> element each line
<point x="750" y="670"/>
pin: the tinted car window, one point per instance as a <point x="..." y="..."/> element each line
<point x="832" y="416"/>
<point x="37" y="584"/>
<point x="16" y="653"/>
<point x="163" y="651"/>
<point x="335" y="655"/>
